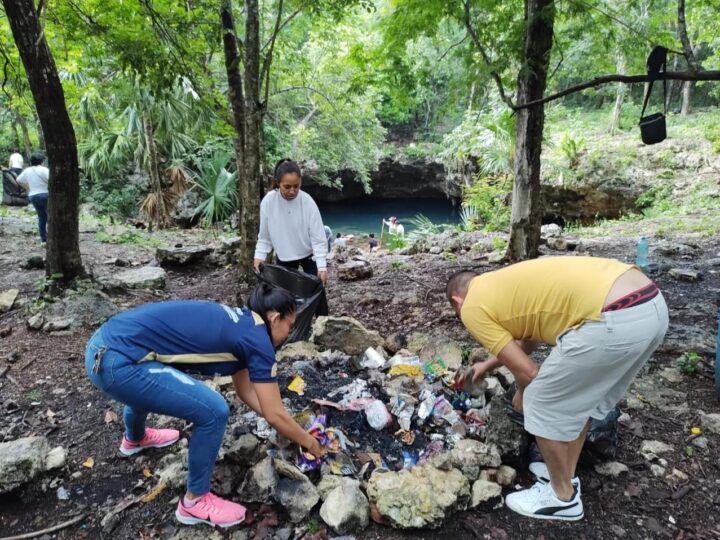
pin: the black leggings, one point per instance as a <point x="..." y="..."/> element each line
<point x="308" y="265"/>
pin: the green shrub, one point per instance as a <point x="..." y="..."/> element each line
<point x="488" y="195"/>
<point x="688" y="363"/>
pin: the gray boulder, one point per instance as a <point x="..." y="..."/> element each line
<point x="484" y="490"/>
<point x="242" y="450"/>
<point x="509" y="437"/>
<point x="7" y="299"/>
<point x="421" y="497"/>
<point x="297" y="496"/>
<point x="180" y="256"/>
<point x="260" y="482"/>
<point x="90" y="308"/>
<point x="344" y="334"/>
<point x="22" y="460"/>
<point x="144" y="277"/>
<point x="172" y="469"/>
<point x="298" y="350"/>
<point x="346" y="509"/>
<point x="470" y="456"/>
<point x="354" y="270"/>
<point x="445" y="348"/>
<point x="58" y="324"/>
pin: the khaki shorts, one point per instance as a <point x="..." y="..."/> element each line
<point x="591" y="368"/>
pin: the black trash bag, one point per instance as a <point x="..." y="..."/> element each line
<point x="308" y="291"/>
<point x="602" y="438"/>
<point x="13" y="193"/>
<point x="652" y="127"/>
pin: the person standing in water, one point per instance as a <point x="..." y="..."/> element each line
<point x="143" y="357"/>
<point x="290" y="224"/>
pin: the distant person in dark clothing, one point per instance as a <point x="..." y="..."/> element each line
<point x="373" y="243"/>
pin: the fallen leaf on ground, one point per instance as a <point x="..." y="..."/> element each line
<point x="89" y="463"/>
<point x="110" y="416"/>
<point x="50" y="413"/>
<point x="153" y="494"/>
<point x="147" y="473"/>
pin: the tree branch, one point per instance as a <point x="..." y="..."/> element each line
<point x="682" y="32"/>
<point x="625" y="79"/>
<point x="291" y="88"/>
<point x="485" y="56"/>
<point x="265" y="71"/>
<point x="283" y="25"/>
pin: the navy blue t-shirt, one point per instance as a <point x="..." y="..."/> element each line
<point x="195" y="336"/>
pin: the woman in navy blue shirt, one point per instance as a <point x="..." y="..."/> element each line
<point x="142" y="358"/>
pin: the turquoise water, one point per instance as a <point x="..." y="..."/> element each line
<point x="363" y="216"/>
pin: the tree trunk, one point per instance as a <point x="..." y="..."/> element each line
<point x="689" y="56"/>
<point x="620" y="97"/>
<point x="25" y="134"/>
<point x="41" y="135"/>
<point x="235" y="89"/>
<point x="159" y="213"/>
<point x="526" y="212"/>
<point x="63" y="246"/>
<point x="251" y="184"/>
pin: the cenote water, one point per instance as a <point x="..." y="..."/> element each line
<point x="363" y="216"/>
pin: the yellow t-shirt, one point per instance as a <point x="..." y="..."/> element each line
<point x="537" y="299"/>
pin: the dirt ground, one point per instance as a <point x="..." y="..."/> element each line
<point x="46" y="392"/>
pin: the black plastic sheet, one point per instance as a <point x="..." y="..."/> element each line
<point x="308" y="291"/>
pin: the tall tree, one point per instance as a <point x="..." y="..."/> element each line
<point x="526" y="212"/>
<point x="690" y="56"/>
<point x="63" y="247"/>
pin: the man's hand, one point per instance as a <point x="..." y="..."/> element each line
<point x="517" y="401"/>
<point x="322" y="274"/>
<point x="257" y="264"/>
<point x="479" y="371"/>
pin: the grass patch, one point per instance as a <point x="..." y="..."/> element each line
<point x="128" y="237"/>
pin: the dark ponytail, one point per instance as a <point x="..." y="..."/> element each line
<point x="265" y="298"/>
<point x="283" y="167"/>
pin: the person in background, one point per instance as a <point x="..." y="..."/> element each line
<point x="603" y="318"/>
<point x="290" y="224"/>
<point x="34" y="180"/>
<point x="16" y="162"/>
<point x="394" y="226"/>
<point x="328" y="237"/>
<point x="373" y="243"/>
<point x="143" y="357"/>
<point x="340" y="242"/>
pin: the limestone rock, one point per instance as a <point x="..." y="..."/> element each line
<point x="484" y="490"/>
<point x="445" y="348"/>
<point x="90" y="308"/>
<point x="24" y="459"/>
<point x="510" y="438"/>
<point x="505" y="376"/>
<point x="297" y="497"/>
<point x="684" y="274"/>
<point x="35" y="262"/>
<point x="711" y="422"/>
<point x="344" y="334"/>
<point x="551" y="229"/>
<point x="651" y="449"/>
<point x="260" y="482"/>
<point x="681" y="338"/>
<point x="417" y="341"/>
<point x="181" y="256"/>
<point x="172" y="469"/>
<point x="243" y="449"/>
<point x="36" y="321"/>
<point x="329" y="482"/>
<point x="671" y="375"/>
<point x="346" y="509"/>
<point x="421" y="497"/>
<point x="469" y="456"/>
<point x="611" y="468"/>
<point x="56" y="325"/>
<point x="493" y="387"/>
<point x="144" y="277"/>
<point x="394" y="342"/>
<point x="7" y="299"/>
<point x="288" y="470"/>
<point x="354" y="270"/>
<point x="504" y="475"/>
<point x="298" y="350"/>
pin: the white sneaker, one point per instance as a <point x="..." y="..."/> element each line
<point x="540" y="502"/>
<point x="540" y="470"/>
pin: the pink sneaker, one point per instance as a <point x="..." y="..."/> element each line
<point x="154" y="438"/>
<point x="212" y="510"/>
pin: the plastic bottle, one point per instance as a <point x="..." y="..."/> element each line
<point x="641" y="257"/>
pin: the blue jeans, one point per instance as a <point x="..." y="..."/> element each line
<point x="40" y="202"/>
<point x="154" y="387"/>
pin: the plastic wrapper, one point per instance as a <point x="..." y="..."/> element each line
<point x="434" y="369"/>
<point x="411" y="370"/>
<point x="460" y="400"/>
<point x="403" y="407"/>
<point x="355" y="390"/>
<point x="339" y="464"/>
<point x="426" y="406"/>
<point x="297" y="385"/>
<point x="306" y="461"/>
<point x="401" y="359"/>
<point x="372" y="359"/>
<point x="409" y="459"/>
<point x="433" y="449"/>
<point x="377" y="415"/>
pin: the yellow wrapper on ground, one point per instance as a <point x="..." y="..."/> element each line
<point x="297" y="385"/>
<point x="406" y="369"/>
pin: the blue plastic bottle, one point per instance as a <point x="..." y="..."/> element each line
<point x="641" y="257"/>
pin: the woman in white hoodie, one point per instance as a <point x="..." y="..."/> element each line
<point x="290" y="224"/>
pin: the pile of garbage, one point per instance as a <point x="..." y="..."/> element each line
<point x="407" y="446"/>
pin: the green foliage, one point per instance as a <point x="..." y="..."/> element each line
<point x="394" y="242"/>
<point x="469" y="217"/>
<point x="128" y="237"/>
<point x="423" y="227"/>
<point x="488" y="196"/>
<point x="688" y="363"/>
<point x="397" y="265"/>
<point x="572" y="147"/>
<point x="218" y="189"/>
<point x="499" y="244"/>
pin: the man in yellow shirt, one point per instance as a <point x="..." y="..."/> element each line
<point x="604" y="320"/>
